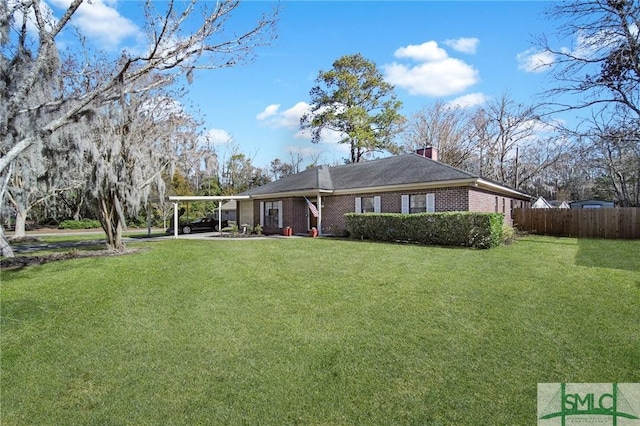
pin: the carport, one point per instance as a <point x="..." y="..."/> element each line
<point x="187" y="198"/>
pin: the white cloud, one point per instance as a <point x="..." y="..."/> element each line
<point x="101" y="22"/>
<point x="533" y="61"/>
<point x="269" y="111"/>
<point x="218" y="137"/>
<point x="463" y="44"/>
<point x="425" y="52"/>
<point x="47" y="15"/>
<point x="468" y="101"/>
<point x="442" y="78"/>
<point x="289" y="119"/>
<point x="436" y="75"/>
<point x="327" y="136"/>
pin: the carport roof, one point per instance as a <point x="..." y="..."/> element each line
<point x="207" y="197"/>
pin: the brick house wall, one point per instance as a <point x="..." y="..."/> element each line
<point x="490" y="202"/>
<point x="334" y="207"/>
<point x="295" y="212"/>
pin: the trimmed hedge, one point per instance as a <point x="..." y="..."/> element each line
<point x="79" y="224"/>
<point x="462" y="229"/>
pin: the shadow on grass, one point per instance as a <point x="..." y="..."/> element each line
<point x="610" y="254"/>
<point x="146" y="235"/>
<point x="15" y="312"/>
<point x="546" y="239"/>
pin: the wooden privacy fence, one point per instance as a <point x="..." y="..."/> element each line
<point x="589" y="223"/>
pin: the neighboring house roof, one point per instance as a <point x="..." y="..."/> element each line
<point x="559" y="204"/>
<point x="230" y="205"/>
<point x="396" y="172"/>
<point x="541" y="203"/>
<point x="591" y="203"/>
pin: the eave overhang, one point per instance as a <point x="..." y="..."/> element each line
<point x="185" y="198"/>
<point x="406" y="187"/>
<point x="287" y="194"/>
<point x="495" y="187"/>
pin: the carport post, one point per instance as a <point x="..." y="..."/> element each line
<point x="175" y="220"/>
<point x="319" y="201"/>
<point x="148" y="220"/>
<point x="220" y="218"/>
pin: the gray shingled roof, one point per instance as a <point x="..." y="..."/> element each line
<point x="396" y="170"/>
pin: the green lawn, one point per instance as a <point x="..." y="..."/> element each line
<point x="315" y="331"/>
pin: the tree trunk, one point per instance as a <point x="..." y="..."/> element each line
<point x="5" y="247"/>
<point x="21" y="222"/>
<point x="111" y="223"/>
<point x="78" y="208"/>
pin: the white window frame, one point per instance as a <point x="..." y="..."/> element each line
<point x="377" y="204"/>
<point x="263" y="216"/>
<point x="429" y="199"/>
<point x="431" y="203"/>
<point x="404" y="203"/>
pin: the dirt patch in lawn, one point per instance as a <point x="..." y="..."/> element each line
<point x="19" y="262"/>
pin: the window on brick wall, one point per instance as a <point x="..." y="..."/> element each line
<point x="418" y="203"/>
<point x="496" y="208"/>
<point x="271" y="214"/>
<point x="503" y="205"/>
<point x="367" y="204"/>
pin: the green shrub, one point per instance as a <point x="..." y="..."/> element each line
<point x="466" y="229"/>
<point x="509" y="234"/>
<point x="79" y="224"/>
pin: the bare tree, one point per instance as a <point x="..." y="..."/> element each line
<point x="447" y="128"/>
<point x="237" y="172"/>
<point x="182" y="38"/>
<point x="616" y="153"/>
<point x="129" y="146"/>
<point x="279" y="169"/>
<point x="602" y="65"/>
<point x="39" y="176"/>
<point x="172" y="49"/>
<point x="503" y="128"/>
<point x="296" y="159"/>
<point x="599" y="74"/>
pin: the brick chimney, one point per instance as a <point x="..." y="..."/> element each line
<point x="429" y="152"/>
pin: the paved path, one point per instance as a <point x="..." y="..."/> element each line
<point x="41" y="245"/>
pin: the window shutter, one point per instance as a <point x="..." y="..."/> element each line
<point x="261" y="213"/>
<point x="358" y="205"/>
<point x="405" y="204"/>
<point x="376" y="204"/>
<point x="279" y="214"/>
<point x="431" y="203"/>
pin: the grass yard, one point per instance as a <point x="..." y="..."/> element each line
<point x="315" y="331"/>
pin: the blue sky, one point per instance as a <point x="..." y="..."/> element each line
<point x="465" y="52"/>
